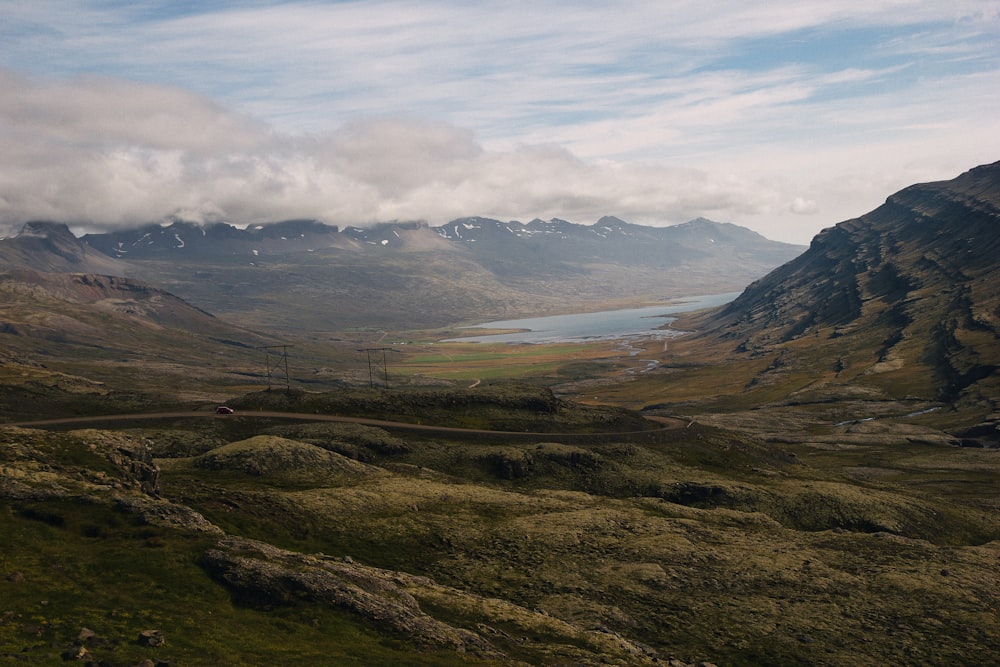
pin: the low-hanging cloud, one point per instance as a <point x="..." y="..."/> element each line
<point x="102" y="153"/>
<point x="783" y="119"/>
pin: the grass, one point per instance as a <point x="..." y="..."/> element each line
<point x="860" y="545"/>
<point x="802" y="558"/>
<point x="484" y="361"/>
<point x="90" y="566"/>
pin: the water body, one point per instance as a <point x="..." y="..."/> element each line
<point x="604" y="325"/>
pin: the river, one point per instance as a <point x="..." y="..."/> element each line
<point x="602" y="325"/>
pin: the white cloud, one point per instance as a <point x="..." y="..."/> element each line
<point x="750" y="112"/>
<point x="117" y="153"/>
<point x="803" y="206"/>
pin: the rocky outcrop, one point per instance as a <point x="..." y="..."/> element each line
<point x="91" y="467"/>
<point x="268" y="455"/>
<point x="262" y="575"/>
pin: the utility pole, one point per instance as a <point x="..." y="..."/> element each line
<point x="385" y="366"/>
<point x="281" y="359"/>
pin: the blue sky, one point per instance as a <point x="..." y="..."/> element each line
<point x="785" y="117"/>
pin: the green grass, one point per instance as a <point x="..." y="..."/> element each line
<point x="69" y="566"/>
<point x="485" y="361"/>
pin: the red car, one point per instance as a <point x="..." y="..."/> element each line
<point x="224" y="410"/>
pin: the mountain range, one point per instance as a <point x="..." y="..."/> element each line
<point x="302" y="275"/>
<point x="609" y="239"/>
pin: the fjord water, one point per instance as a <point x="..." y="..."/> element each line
<point x="603" y="325"/>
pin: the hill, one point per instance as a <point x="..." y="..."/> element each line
<point x="919" y="276"/>
<point x="111" y="329"/>
<point x="244" y="540"/>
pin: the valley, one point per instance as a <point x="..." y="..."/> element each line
<point x="807" y="475"/>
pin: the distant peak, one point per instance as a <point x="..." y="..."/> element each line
<point x="44" y="230"/>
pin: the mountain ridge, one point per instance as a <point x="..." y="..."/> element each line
<point x="407" y="275"/>
<point x="52" y="247"/>
<point x="223" y="239"/>
<point x="906" y="296"/>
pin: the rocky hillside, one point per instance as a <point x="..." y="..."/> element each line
<point x="908" y="293"/>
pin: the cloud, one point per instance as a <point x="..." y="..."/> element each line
<point x="803" y="206"/>
<point x="96" y="153"/>
<point x="355" y="111"/>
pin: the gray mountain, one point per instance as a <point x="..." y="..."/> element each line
<point x="191" y="240"/>
<point x="402" y="275"/>
<point x="610" y="239"/>
<point x="51" y="246"/>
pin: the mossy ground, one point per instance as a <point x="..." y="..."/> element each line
<point x="68" y="566"/>
<point x="707" y="545"/>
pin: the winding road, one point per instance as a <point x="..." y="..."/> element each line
<point x="666" y="424"/>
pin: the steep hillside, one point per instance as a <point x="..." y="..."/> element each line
<point x="935" y="243"/>
<point x="923" y="270"/>
<point x="107" y="326"/>
<point x="895" y="313"/>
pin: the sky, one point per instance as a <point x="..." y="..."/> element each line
<point x="782" y="116"/>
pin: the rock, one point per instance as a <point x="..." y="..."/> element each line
<point x="151" y="638"/>
<point x="75" y="653"/>
<point x="157" y="512"/>
<point x="263" y="575"/>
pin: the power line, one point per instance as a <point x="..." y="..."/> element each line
<point x="280" y="359"/>
<point x="385" y="366"/>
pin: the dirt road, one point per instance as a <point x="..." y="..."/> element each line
<point x="665" y="423"/>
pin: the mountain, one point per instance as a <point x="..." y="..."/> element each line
<point x="608" y="240"/>
<point x="51" y="246"/>
<point x="117" y="326"/>
<point x="406" y="275"/>
<point x="517" y="245"/>
<point x="906" y="297"/>
<point x="192" y="240"/>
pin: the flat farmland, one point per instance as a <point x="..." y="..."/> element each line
<point x="484" y="361"/>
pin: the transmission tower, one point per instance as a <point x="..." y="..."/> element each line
<point x="280" y="359"/>
<point x="385" y="367"/>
